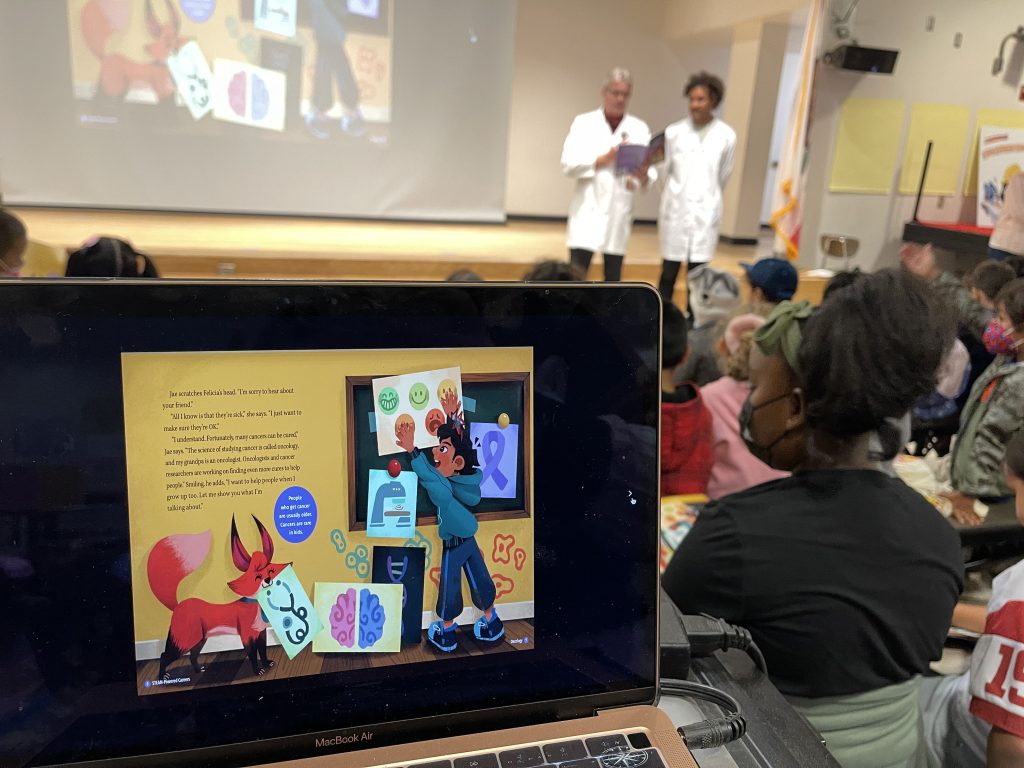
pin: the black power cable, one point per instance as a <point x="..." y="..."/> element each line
<point x="708" y="733"/>
<point x="707" y="634"/>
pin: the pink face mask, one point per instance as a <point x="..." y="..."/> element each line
<point x="999" y="340"/>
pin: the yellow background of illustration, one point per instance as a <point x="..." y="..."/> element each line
<point x="318" y="380"/>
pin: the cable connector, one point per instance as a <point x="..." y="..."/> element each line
<point x="708" y="634"/>
<point x="708" y="734"/>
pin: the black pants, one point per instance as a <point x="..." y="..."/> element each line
<point x="581" y="257"/>
<point x="667" y="281"/>
<point x="332" y="65"/>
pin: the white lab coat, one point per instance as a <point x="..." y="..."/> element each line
<point x="601" y="211"/>
<point x="696" y="172"/>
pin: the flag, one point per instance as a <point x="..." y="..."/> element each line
<point x="787" y="198"/>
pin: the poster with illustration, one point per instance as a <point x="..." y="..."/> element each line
<point x="358" y="618"/>
<point x="289" y="611"/>
<point x="405" y="566"/>
<point x="418" y="399"/>
<point x="1000" y="157"/>
<point x="276" y="16"/>
<point x="249" y="95"/>
<point x="391" y="505"/>
<point x="497" y="450"/>
<point x="193" y="79"/>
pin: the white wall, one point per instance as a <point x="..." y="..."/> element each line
<point x="688" y="17"/>
<point x="563" y="51"/>
<point x="929" y="69"/>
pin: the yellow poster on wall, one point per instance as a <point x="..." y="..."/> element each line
<point x="997" y="118"/>
<point x="867" y="145"/>
<point x="945" y="125"/>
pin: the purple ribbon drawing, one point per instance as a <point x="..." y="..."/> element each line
<point x="493" y="447"/>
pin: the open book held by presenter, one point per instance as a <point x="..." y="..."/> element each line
<point x="632" y="157"/>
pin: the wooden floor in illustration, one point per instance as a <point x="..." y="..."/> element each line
<point x="228" y="667"/>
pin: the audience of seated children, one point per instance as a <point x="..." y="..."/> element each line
<point x="771" y="280"/>
<point x="13" y="242"/>
<point x="975" y="719"/>
<point x="713" y="296"/>
<point x="994" y="411"/>
<point x="735" y="468"/>
<point x="845" y="577"/>
<point x="973" y="298"/>
<point x="686" y="453"/>
<point x="109" y="257"/>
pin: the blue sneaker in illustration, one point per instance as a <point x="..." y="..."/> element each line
<point x="442" y="638"/>
<point x="489" y="631"/>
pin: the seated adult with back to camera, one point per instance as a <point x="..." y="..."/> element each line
<point x="845" y="577"/>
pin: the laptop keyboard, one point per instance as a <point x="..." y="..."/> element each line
<point x="613" y="750"/>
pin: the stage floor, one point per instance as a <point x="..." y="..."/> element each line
<point x="193" y="245"/>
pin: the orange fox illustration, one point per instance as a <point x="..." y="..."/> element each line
<point x="194" y="620"/>
<point x="117" y="71"/>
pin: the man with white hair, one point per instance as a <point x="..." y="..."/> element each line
<point x="601" y="211"/>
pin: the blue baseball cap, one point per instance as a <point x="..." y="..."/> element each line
<point x="776" y="277"/>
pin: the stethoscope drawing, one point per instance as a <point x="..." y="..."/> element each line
<point x="300" y="613"/>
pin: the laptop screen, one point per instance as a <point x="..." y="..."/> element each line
<point x="247" y="522"/>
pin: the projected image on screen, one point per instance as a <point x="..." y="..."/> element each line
<point x="307" y="69"/>
<point x="297" y="513"/>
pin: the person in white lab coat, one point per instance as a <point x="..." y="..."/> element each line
<point x="601" y="211"/>
<point x="698" y="161"/>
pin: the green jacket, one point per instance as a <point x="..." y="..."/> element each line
<point x="993" y="414"/>
<point x="968" y="311"/>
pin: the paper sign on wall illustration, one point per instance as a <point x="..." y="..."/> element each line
<point x="289" y="611"/>
<point x="413" y="398"/>
<point x="497" y="451"/>
<point x="358" y="618"/>
<point x="277" y="16"/>
<point x="405" y="566"/>
<point x="1000" y="158"/>
<point x="391" y="505"/>
<point x="249" y="95"/>
<point x="193" y="78"/>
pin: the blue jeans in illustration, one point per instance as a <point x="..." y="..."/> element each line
<point x="458" y="556"/>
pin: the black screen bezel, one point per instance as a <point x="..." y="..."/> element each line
<point x="626" y="322"/>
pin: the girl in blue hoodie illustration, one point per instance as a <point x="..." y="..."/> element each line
<point x="449" y="474"/>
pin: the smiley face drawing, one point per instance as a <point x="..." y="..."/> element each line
<point x="446" y="387"/>
<point x="434" y="420"/>
<point x="388" y="400"/>
<point x="419" y="395"/>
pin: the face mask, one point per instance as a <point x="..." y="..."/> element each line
<point x="760" y="452"/>
<point x="999" y="340"/>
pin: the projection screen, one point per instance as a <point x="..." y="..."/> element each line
<point x="360" y="108"/>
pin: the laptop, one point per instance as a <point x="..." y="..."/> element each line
<point x="327" y="524"/>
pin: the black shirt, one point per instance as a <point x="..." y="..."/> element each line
<point x="845" y="578"/>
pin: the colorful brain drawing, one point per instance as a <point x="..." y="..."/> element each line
<point x="260" y="98"/>
<point x="371" y="619"/>
<point x="236" y="93"/>
<point x="343" y="619"/>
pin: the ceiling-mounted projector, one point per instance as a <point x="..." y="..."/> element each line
<point x="860" y="59"/>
